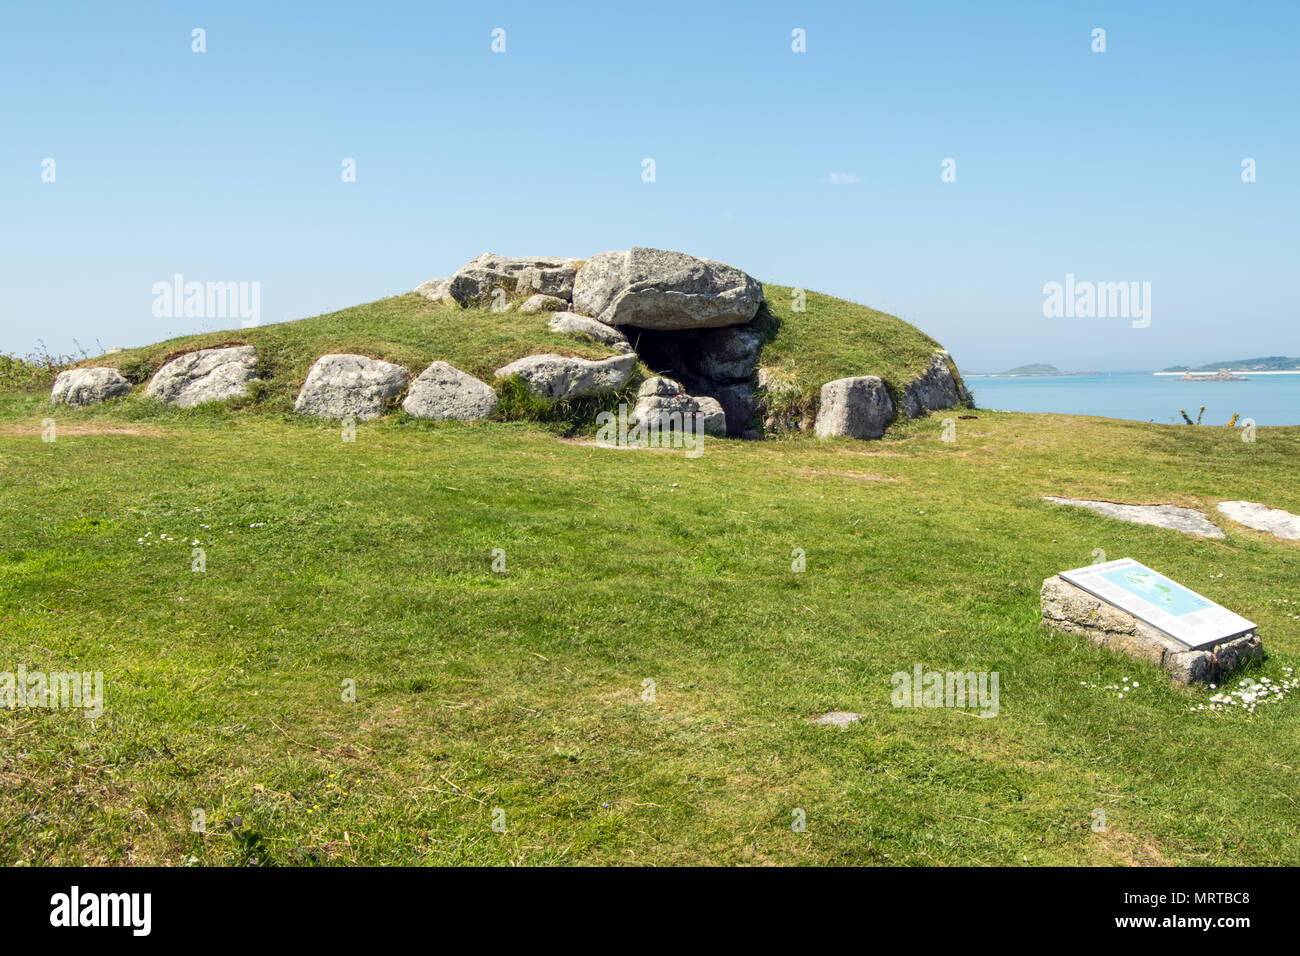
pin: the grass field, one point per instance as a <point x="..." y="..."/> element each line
<point x="476" y="691"/>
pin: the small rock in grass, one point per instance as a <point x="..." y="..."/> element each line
<point x="837" y="718"/>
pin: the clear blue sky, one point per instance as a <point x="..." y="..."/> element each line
<point x="225" y="166"/>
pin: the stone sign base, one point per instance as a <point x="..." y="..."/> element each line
<point x="1075" y="611"/>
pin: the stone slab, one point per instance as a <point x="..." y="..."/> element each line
<point x="1274" y="521"/>
<point x="1186" y="520"/>
<point x="1075" y="611"/>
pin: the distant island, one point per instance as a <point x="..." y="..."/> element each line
<point x="1271" y="363"/>
<point x="1036" y="369"/>
<point x="1222" y="375"/>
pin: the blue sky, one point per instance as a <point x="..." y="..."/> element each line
<point x="225" y="166"/>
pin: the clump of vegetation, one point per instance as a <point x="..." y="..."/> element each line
<point x="784" y="403"/>
<point x="1200" y="417"/>
<point x="36" y="370"/>
<point x="566" y="418"/>
<point x="518" y="403"/>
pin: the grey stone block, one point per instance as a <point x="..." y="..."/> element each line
<point x="1075" y="611"/>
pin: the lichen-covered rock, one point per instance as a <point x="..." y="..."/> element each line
<point x="933" y="389"/>
<point x="442" y="391"/>
<point x="475" y="283"/>
<point x="560" y="377"/>
<point x="659" y="289"/>
<point x="1074" y="611"/>
<point x="88" y="386"/>
<point x="552" y="277"/>
<point x="435" y="290"/>
<point x="663" y="402"/>
<point x="570" y="323"/>
<point x="350" y="386"/>
<point x="543" y="303"/>
<point x="208" y="375"/>
<point x="857" y="407"/>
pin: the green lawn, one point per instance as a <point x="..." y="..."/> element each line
<point x="522" y="691"/>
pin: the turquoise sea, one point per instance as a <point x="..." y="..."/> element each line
<point x="1141" y="396"/>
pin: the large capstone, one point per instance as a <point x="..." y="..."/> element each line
<point x="658" y="289"/>
<point x="208" y="375"/>
<point x="350" y="386"/>
<point x="858" y="407"/>
<point x="476" y="283"/>
<point x="442" y="391"/>
<point x="561" y="377"/>
<point x="88" y="386"/>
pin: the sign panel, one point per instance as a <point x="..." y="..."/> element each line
<point x="1166" y="605"/>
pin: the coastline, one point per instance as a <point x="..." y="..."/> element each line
<point x="1236" y="371"/>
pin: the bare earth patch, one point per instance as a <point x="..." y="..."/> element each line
<point x="859" y="475"/>
<point x="89" y="428"/>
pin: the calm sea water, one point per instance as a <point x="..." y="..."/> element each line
<point x="1141" y="396"/>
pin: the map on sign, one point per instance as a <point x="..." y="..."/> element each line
<point x="1166" y="605"/>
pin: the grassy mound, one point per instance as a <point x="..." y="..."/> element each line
<point x="406" y="329"/>
<point x="833" y="338"/>
<point x="830" y="339"/>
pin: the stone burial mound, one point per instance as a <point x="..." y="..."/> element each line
<point x="696" y="322"/>
<point x="690" y="332"/>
